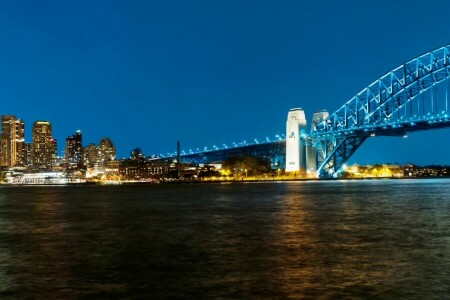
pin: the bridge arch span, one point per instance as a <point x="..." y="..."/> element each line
<point x="403" y="100"/>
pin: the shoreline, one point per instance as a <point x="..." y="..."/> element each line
<point x="296" y="180"/>
<point x="237" y="181"/>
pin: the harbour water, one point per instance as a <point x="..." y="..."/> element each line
<point x="329" y="239"/>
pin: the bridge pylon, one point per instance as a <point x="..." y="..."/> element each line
<point x="295" y="145"/>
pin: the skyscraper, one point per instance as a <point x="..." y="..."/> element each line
<point x="54" y="149"/>
<point x="73" y="153"/>
<point x="11" y="142"/>
<point x="28" y="154"/>
<point x="43" y="145"/>
<point x="106" y="150"/>
<point x="90" y="155"/>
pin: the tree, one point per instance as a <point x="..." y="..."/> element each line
<point x="210" y="173"/>
<point x="246" y="165"/>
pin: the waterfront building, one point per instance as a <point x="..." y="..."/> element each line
<point x="28" y="154"/>
<point x="57" y="161"/>
<point x="12" y="142"/>
<point x="73" y="152"/>
<point x="99" y="168"/>
<point x="90" y="155"/>
<point x="112" y="169"/>
<point x="44" y="146"/>
<point x="295" y="146"/>
<point x="132" y="170"/>
<point x="137" y="155"/>
<point x="106" y="150"/>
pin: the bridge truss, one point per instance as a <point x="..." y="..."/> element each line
<point x="274" y="150"/>
<point x="412" y="97"/>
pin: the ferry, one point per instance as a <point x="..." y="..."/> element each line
<point x="47" y="178"/>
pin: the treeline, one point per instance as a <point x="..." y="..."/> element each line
<point x="246" y="165"/>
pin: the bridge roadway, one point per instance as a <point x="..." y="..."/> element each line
<point x="275" y="150"/>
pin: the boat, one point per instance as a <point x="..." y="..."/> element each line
<point x="47" y="178"/>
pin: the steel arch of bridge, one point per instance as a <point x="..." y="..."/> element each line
<point x="401" y="101"/>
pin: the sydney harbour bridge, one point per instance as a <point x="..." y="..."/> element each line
<point x="411" y="97"/>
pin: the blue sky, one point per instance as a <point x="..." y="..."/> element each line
<point x="149" y="73"/>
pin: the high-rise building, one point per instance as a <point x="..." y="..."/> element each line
<point x="11" y="142"/>
<point x="137" y="155"/>
<point x="90" y="155"/>
<point x="44" y="146"/>
<point x="73" y="153"/>
<point x="295" y="147"/>
<point x="28" y="154"/>
<point x="106" y="150"/>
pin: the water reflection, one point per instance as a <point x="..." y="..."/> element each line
<point x="36" y="236"/>
<point x="369" y="245"/>
<point x="362" y="239"/>
<point x="6" y="280"/>
<point x="297" y="242"/>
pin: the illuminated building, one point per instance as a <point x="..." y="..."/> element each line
<point x="12" y="142"/>
<point x="28" y="154"/>
<point x="311" y="159"/>
<point x="54" y="149"/>
<point x="137" y="155"/>
<point x="295" y="148"/>
<point x="112" y="169"/>
<point x="131" y="170"/>
<point x="90" y="155"/>
<point x="99" y="168"/>
<point x="106" y="150"/>
<point x="44" y="146"/>
<point x="73" y="153"/>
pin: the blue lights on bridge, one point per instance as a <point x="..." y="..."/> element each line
<point x="206" y="149"/>
<point x="412" y="97"/>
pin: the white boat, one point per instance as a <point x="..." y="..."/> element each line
<point x="48" y="178"/>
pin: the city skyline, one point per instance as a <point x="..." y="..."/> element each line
<point x="207" y="74"/>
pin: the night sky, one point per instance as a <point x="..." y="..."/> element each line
<point x="149" y="73"/>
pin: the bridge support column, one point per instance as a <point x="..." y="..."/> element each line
<point x="311" y="156"/>
<point x="333" y="153"/>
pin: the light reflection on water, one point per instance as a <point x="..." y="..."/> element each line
<point x="374" y="238"/>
